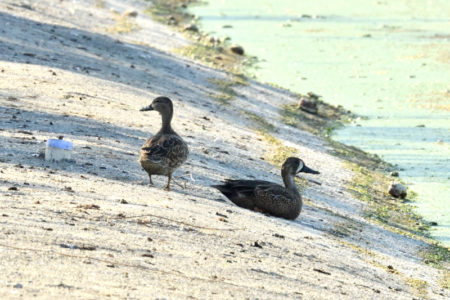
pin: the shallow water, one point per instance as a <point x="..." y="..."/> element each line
<point x="388" y="61"/>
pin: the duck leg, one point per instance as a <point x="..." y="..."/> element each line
<point x="150" y="176"/>
<point x="167" y="188"/>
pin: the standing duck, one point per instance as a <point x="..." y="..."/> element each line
<point x="165" y="151"/>
<point x="285" y="202"/>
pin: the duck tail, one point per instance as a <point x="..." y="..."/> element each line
<point x="224" y="189"/>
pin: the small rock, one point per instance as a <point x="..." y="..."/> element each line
<point x="421" y="125"/>
<point x="130" y="13"/>
<point x="18" y="286"/>
<point x="433" y="223"/>
<point x="171" y="20"/>
<point x="87" y="248"/>
<point x="89" y="206"/>
<point x="397" y="190"/>
<point x="221" y="215"/>
<point x="257" y="245"/>
<point x="13" y="188"/>
<point x="237" y="49"/>
<point x="123" y="201"/>
<point x="312" y="95"/>
<point x="278" y="235"/>
<point x="307" y="105"/>
<point x="69" y="189"/>
<point x="191" y="27"/>
<point x="227" y="26"/>
<point x="394" y="174"/>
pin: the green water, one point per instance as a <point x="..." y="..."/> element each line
<point x="388" y="61"/>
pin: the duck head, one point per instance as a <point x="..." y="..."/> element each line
<point x="163" y="105"/>
<point x="293" y="165"/>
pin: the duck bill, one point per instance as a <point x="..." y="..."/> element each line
<point x="305" y="169"/>
<point x="147" y="108"/>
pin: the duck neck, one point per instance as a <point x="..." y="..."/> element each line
<point x="289" y="183"/>
<point x="291" y="187"/>
<point x="166" y="120"/>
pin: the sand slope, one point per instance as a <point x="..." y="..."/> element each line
<point x="93" y="228"/>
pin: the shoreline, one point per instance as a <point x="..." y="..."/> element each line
<point x="330" y="225"/>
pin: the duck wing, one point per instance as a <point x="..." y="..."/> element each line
<point x="167" y="149"/>
<point x="241" y="192"/>
<point x="277" y="201"/>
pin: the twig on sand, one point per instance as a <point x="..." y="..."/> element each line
<point x="175" y="221"/>
<point x="214" y="279"/>
<point x="186" y="175"/>
<point x="183" y="176"/>
<point x="75" y="256"/>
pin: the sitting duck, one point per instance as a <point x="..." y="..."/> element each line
<point x="285" y="202"/>
<point x="165" y="151"/>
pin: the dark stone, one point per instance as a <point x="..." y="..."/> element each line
<point x="394" y="174"/>
<point x="397" y="190"/>
<point x="308" y="105"/>
<point x="257" y="245"/>
<point x="191" y="27"/>
<point x="237" y="49"/>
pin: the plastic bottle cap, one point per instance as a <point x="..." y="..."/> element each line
<point x="61" y="144"/>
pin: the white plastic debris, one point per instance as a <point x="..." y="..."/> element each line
<point x="58" y="149"/>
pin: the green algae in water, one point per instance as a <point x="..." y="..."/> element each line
<point x="387" y="61"/>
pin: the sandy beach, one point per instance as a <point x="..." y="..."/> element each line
<point x="93" y="228"/>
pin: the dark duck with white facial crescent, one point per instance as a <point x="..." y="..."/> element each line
<point x="165" y="151"/>
<point x="274" y="199"/>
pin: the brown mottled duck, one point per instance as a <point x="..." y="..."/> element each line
<point x="165" y="151"/>
<point x="274" y="199"/>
